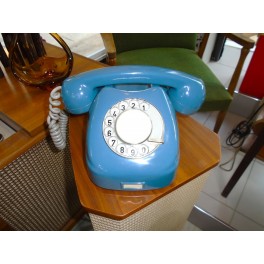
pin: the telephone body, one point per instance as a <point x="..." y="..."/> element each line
<point x="132" y="140"/>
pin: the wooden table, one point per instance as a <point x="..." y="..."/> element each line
<point x="199" y="152"/>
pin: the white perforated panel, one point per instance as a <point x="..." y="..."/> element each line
<point x="168" y="213"/>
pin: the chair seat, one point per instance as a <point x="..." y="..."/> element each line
<point x="217" y="97"/>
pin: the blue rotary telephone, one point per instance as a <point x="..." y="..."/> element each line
<point x="132" y="137"/>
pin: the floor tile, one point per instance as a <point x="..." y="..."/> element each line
<point x="214" y="207"/>
<point x="230" y="122"/>
<point x="208" y="119"/>
<point x="251" y="203"/>
<point x="234" y="53"/>
<point x="223" y="72"/>
<point x="219" y="178"/>
<point x="242" y="223"/>
<point x="190" y="227"/>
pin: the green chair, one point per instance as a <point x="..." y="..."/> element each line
<point x="177" y="51"/>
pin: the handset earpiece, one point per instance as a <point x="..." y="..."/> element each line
<point x="187" y="95"/>
<point x="78" y="93"/>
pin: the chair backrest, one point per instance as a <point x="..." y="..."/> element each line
<point x="132" y="41"/>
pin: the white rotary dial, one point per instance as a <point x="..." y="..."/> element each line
<point x="133" y="126"/>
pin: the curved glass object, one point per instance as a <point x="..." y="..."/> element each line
<point x="35" y="65"/>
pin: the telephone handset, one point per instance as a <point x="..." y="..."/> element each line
<point x="132" y="136"/>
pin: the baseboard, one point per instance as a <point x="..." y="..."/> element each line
<point x="243" y="105"/>
<point x="207" y="222"/>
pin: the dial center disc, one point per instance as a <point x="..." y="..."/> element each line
<point x="133" y="126"/>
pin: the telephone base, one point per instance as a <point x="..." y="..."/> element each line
<point x="123" y="182"/>
<point x="118" y="165"/>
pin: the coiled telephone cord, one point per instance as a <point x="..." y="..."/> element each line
<point x="57" y="120"/>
